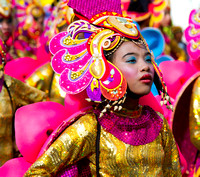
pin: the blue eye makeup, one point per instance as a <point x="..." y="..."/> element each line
<point x="148" y="58"/>
<point x="131" y="59"/>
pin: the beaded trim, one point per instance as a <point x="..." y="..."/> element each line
<point x="117" y="46"/>
<point x="130" y="113"/>
<point x="123" y="39"/>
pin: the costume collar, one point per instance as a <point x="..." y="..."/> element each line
<point x="133" y="131"/>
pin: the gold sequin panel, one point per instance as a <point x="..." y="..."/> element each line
<point x="158" y="158"/>
<point x="194" y="119"/>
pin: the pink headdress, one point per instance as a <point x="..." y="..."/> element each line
<point x="81" y="62"/>
<point x="89" y="8"/>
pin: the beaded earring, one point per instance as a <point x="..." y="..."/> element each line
<point x="2" y="62"/>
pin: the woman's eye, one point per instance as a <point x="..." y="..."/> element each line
<point x="9" y="20"/>
<point x="1" y="20"/>
<point x="131" y="60"/>
<point x="148" y="59"/>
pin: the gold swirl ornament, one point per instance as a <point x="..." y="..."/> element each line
<point x="97" y="68"/>
<point x="124" y="26"/>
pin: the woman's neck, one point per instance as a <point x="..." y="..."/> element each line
<point x="131" y="104"/>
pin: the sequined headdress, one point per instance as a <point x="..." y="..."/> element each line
<point x="81" y="62"/>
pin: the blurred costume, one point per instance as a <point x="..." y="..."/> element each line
<point x="13" y="94"/>
<point x="178" y="47"/>
<point x="38" y="73"/>
<point x="44" y="78"/>
<point x="146" y="13"/>
<point x="150" y="14"/>
<point x="30" y="17"/>
<point x="192" y="36"/>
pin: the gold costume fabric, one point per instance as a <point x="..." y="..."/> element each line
<point x="22" y="43"/>
<point x="194" y="118"/>
<point x="157" y="158"/>
<point x="194" y="122"/>
<point x="12" y="96"/>
<point x="46" y="80"/>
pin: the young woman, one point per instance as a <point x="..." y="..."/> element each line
<point x="114" y="65"/>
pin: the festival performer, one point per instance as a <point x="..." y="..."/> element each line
<point x="178" y="47"/>
<point x="146" y="13"/>
<point x="13" y="94"/>
<point x="7" y="28"/>
<point x="30" y="16"/>
<point x="117" y="137"/>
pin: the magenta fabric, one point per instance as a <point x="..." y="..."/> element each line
<point x="34" y="123"/>
<point x="14" y="167"/>
<point x="21" y="68"/>
<point x="79" y="169"/>
<point x="176" y="74"/>
<point x="133" y="131"/>
<point x="92" y="8"/>
<point x="152" y="101"/>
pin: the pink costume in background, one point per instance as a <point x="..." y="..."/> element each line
<point x="184" y="88"/>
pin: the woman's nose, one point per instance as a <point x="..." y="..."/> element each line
<point x="5" y="25"/>
<point x="144" y="67"/>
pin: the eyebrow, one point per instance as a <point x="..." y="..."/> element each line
<point x="132" y="53"/>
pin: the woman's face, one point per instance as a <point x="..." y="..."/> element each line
<point x="166" y="19"/>
<point x="135" y="64"/>
<point x="6" y="27"/>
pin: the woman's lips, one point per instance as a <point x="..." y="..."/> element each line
<point x="147" y="78"/>
<point x="7" y="33"/>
